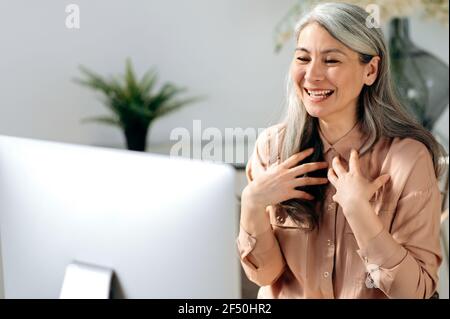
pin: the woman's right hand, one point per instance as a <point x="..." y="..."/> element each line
<point x="278" y="182"/>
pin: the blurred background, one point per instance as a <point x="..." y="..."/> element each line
<point x="233" y="54"/>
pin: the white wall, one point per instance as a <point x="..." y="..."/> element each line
<point x="221" y="48"/>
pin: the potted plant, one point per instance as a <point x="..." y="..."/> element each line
<point x="134" y="103"/>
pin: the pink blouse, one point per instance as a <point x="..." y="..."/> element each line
<point x="402" y="261"/>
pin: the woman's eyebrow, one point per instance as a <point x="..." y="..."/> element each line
<point x="335" y="50"/>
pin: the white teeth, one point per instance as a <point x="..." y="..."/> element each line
<point x="319" y="93"/>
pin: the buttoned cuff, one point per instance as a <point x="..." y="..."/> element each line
<point x="383" y="251"/>
<point x="256" y="245"/>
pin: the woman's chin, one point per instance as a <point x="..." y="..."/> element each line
<point x="317" y="111"/>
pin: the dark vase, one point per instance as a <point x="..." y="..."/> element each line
<point x="420" y="78"/>
<point x="136" y="136"/>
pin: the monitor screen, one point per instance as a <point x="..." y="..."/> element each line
<point x="165" y="226"/>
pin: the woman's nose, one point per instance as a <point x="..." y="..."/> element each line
<point x="314" y="72"/>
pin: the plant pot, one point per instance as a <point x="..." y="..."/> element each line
<point x="136" y="137"/>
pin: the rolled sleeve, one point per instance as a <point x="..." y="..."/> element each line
<point x="382" y="251"/>
<point x="245" y="243"/>
<point x="260" y="256"/>
<point x="403" y="259"/>
<point x="407" y="259"/>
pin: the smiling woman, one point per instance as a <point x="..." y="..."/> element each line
<point x="368" y="227"/>
<point x="340" y="71"/>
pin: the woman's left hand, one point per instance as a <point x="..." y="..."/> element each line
<point x="351" y="186"/>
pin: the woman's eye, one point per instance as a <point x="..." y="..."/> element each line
<point x="331" y="61"/>
<point x="302" y="59"/>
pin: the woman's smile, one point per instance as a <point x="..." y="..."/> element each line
<point x="318" y="95"/>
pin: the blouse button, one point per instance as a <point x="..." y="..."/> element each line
<point x="326" y="274"/>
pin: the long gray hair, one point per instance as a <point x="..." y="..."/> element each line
<point x="380" y="113"/>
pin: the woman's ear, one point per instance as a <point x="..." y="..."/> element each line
<point x="371" y="70"/>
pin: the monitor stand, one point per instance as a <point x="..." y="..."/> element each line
<point x="86" y="281"/>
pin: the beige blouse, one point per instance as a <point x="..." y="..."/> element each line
<point x="402" y="261"/>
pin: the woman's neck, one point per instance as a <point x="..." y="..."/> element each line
<point x="333" y="131"/>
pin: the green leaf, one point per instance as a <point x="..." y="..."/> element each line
<point x="167" y="93"/>
<point x="131" y="86"/>
<point x="148" y="81"/>
<point x="93" y="81"/>
<point x="102" y="119"/>
<point x="168" y="108"/>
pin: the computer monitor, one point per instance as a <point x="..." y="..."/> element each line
<point x="165" y="226"/>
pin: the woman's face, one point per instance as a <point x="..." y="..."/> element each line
<point x="328" y="76"/>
